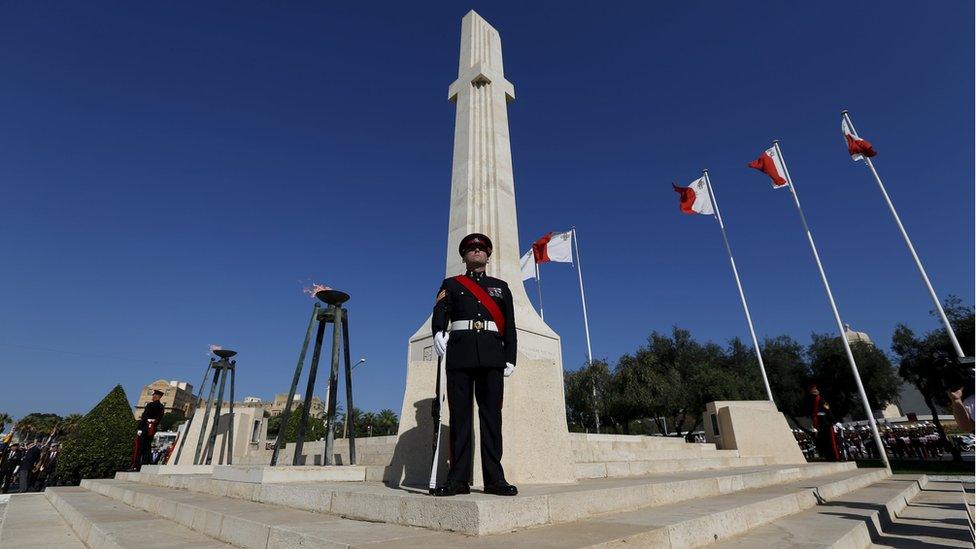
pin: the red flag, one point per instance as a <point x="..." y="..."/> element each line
<point x="695" y="198"/>
<point x="554" y="247"/>
<point x="769" y="164"/>
<point x="856" y="147"/>
<point x="539" y="248"/>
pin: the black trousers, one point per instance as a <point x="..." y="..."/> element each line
<point x="487" y="385"/>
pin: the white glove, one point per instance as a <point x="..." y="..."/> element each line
<point x="509" y="369"/>
<point x="440" y="343"/>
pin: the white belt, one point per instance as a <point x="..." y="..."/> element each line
<point x="476" y="325"/>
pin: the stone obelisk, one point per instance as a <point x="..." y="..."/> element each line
<point x="536" y="442"/>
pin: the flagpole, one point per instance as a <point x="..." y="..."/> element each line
<point x="586" y="322"/>
<point x="833" y="307"/>
<point x="579" y="272"/>
<point x="738" y="283"/>
<point x="908" y="242"/>
<point x="538" y="284"/>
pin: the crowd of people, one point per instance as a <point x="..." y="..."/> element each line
<point x="917" y="441"/>
<point x="28" y="467"/>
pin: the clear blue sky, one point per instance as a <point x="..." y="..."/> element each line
<point x="173" y="173"/>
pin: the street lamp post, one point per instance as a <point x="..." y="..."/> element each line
<point x="345" y="426"/>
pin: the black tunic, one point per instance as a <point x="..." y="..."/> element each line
<point x="153" y="410"/>
<point x="470" y="348"/>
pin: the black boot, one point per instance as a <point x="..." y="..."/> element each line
<point x="503" y="489"/>
<point x="451" y="489"/>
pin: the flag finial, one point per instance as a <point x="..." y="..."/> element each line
<point x="845" y="111"/>
<point x="775" y="141"/>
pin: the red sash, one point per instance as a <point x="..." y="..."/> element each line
<point x="486" y="301"/>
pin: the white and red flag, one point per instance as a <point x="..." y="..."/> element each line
<point x="771" y="164"/>
<point x="695" y="198"/>
<point x="527" y="262"/>
<point x="553" y="246"/>
<point x="858" y="148"/>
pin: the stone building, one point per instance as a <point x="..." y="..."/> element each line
<point x="177" y="396"/>
<point x="317" y="409"/>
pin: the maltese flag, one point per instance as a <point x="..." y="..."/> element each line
<point x="527" y="263"/>
<point x="771" y="164"/>
<point x="695" y="198"/>
<point x="556" y="247"/>
<point x="858" y="148"/>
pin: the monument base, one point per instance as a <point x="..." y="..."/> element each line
<point x="753" y="428"/>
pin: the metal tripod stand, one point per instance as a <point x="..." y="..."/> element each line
<point x="339" y="318"/>
<point x="222" y="368"/>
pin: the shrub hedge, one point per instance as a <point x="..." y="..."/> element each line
<point x="102" y="442"/>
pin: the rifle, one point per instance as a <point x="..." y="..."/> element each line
<point x="435" y="411"/>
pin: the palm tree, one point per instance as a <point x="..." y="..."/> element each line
<point x="388" y="422"/>
<point x="365" y="423"/>
<point x="26" y="427"/>
<point x="69" y="423"/>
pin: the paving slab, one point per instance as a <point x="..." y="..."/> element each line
<point x="31" y="521"/>
<point x="101" y="522"/>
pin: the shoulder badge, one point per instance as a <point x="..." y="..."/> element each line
<point x="441" y="295"/>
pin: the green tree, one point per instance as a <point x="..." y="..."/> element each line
<point x="274" y="424"/>
<point x="388" y="423"/>
<point x="588" y="392"/>
<point x="929" y="363"/>
<point x="69" y="424"/>
<point x="102" y="442"/>
<point x="832" y="372"/>
<point x="170" y="419"/>
<point x="314" y="429"/>
<point x="5" y="419"/>
<point x="788" y="373"/>
<point x="37" y="425"/>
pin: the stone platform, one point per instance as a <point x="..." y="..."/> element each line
<point x="817" y="505"/>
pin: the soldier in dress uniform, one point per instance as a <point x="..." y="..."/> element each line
<point x="474" y="323"/>
<point x="148" y="423"/>
<point x="823" y="421"/>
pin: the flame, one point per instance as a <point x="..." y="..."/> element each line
<point x="314" y="289"/>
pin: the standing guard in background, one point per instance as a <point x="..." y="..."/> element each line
<point x="478" y="311"/>
<point x="823" y="421"/>
<point x="148" y="423"/>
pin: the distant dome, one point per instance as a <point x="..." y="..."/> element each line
<point x="856" y="337"/>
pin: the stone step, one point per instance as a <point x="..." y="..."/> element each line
<point x="32" y="522"/>
<point x="879" y="513"/>
<point x="105" y="523"/>
<point x="251" y="524"/>
<point x="940" y="515"/>
<point x="641" y="441"/>
<point x="481" y="514"/>
<point x="590" y="455"/>
<point x="615" y="469"/>
<point x="691" y="524"/>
